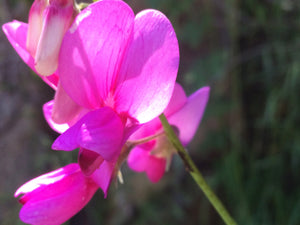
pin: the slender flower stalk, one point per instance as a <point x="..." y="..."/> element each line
<point x="195" y="173"/>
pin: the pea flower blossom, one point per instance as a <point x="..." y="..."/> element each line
<point x="121" y="70"/>
<point x="184" y="114"/>
<point x="48" y="21"/>
<point x="38" y="42"/>
<point x="54" y="197"/>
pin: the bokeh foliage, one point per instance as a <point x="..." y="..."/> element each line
<point x="248" y="144"/>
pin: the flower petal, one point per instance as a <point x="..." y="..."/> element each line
<point x="89" y="161"/>
<point x="55" y="197"/>
<point x="56" y="21"/>
<point x="147" y="76"/>
<point x="177" y="101"/>
<point x="100" y="131"/>
<point x="47" y="109"/>
<point x="35" y="25"/>
<point x="16" y="32"/>
<point x="65" y="110"/>
<point x="104" y="175"/>
<point x="141" y="160"/>
<point x="187" y="119"/>
<point x="92" y="50"/>
<point x="68" y="140"/>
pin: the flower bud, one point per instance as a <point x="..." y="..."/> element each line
<point x="35" y="25"/>
<point x="48" y="23"/>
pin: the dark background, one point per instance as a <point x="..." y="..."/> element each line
<point x="247" y="146"/>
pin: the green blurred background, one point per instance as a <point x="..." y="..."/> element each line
<point x="247" y="146"/>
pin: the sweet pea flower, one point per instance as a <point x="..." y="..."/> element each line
<point x="111" y="58"/>
<point x="121" y="69"/>
<point x="184" y="114"/>
<point x="53" y="198"/>
<point x="38" y="44"/>
<point x="47" y="23"/>
<point x="16" y="33"/>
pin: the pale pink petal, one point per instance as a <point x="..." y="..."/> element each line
<point x="141" y="160"/>
<point x="101" y="131"/>
<point x="92" y="50"/>
<point x="35" y="25"/>
<point x="47" y="109"/>
<point x="187" y="119"/>
<point x="104" y="175"/>
<point x="16" y="32"/>
<point x="55" y="197"/>
<point x="56" y="21"/>
<point x="65" y="109"/>
<point x="149" y="69"/>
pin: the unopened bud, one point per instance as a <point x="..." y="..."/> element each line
<point x="48" y="27"/>
<point x="35" y="25"/>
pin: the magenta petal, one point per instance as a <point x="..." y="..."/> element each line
<point x="92" y="50"/>
<point x="47" y="109"/>
<point x="149" y="69"/>
<point x="187" y="119"/>
<point x="177" y="101"/>
<point x="68" y="140"/>
<point x="141" y="160"/>
<point x="100" y="131"/>
<point x="16" y="32"/>
<point x="103" y="176"/>
<point x="55" y="197"/>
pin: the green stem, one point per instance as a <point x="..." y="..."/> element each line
<point x="195" y="173"/>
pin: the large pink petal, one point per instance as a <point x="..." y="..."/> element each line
<point x="104" y="175"/>
<point x="92" y="50"/>
<point x="101" y="131"/>
<point x="141" y="160"/>
<point x="147" y="76"/>
<point x="53" y="198"/>
<point x="187" y="119"/>
<point x="153" y="127"/>
<point x="16" y="32"/>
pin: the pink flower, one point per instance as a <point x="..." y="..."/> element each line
<point x="111" y="58"/>
<point x="184" y="114"/>
<point x="38" y="44"/>
<point x="120" y="70"/>
<point x="47" y="24"/>
<point x="16" y="32"/>
<point x="54" y="197"/>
